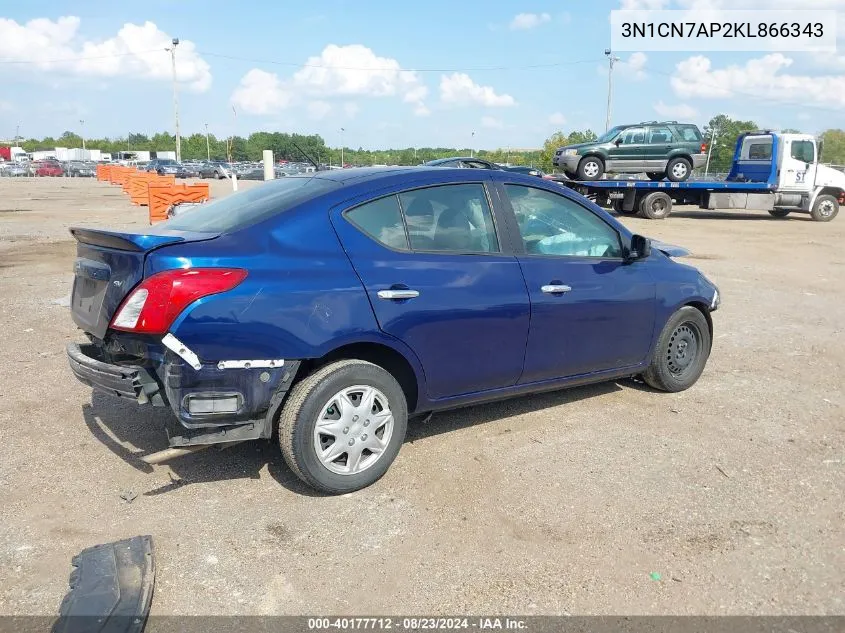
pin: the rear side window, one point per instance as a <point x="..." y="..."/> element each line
<point x="659" y="135"/>
<point x="803" y="151"/>
<point x="248" y="207"/>
<point x="690" y="133"/>
<point x="382" y="220"/>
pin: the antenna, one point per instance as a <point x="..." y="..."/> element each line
<point x="301" y="151"/>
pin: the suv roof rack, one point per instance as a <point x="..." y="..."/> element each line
<point x="654" y="122"/>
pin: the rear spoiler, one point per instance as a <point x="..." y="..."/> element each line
<point x="123" y="241"/>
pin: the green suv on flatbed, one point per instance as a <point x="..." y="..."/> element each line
<point x="665" y="149"/>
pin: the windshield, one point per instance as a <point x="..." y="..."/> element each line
<point x="607" y="136"/>
<point x="248" y="207"/>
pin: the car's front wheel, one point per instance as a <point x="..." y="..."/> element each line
<point x="681" y="351"/>
<point x="343" y="426"/>
<point x="590" y="168"/>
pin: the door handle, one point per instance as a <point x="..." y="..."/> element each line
<point x="393" y="295"/>
<point x="555" y="289"/>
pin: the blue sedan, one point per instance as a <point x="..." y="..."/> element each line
<point x="333" y="306"/>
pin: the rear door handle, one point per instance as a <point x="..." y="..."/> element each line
<point x="393" y="295"/>
<point x="555" y="289"/>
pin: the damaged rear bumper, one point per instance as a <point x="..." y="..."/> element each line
<point x="220" y="401"/>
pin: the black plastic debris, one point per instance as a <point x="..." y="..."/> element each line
<point x="111" y="588"/>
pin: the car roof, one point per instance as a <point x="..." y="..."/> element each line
<point x="438" y="161"/>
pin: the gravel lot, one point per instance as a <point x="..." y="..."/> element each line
<point x="733" y="492"/>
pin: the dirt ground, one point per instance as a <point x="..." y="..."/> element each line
<point x="728" y="498"/>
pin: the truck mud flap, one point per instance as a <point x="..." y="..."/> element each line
<point x="111" y="588"/>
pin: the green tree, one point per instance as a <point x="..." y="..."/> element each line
<point x="833" y="146"/>
<point x="726" y="132"/>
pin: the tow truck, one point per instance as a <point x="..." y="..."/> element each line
<point x="771" y="171"/>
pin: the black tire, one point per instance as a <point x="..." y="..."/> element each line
<point x="656" y="175"/>
<point x="779" y="213"/>
<point x="655" y="206"/>
<point x="590" y="168"/>
<point x="825" y="208"/>
<point x="570" y="174"/>
<point x="304" y="405"/>
<point x="678" y="169"/>
<point x="681" y="352"/>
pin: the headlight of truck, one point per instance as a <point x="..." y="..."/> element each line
<point x="570" y="152"/>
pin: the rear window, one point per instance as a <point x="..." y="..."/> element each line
<point x="690" y="133"/>
<point x="248" y="207"/>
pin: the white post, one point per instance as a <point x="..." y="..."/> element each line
<point x="176" y="100"/>
<point x="269" y="174"/>
<point x="710" y="151"/>
<point x="611" y="59"/>
<point x="341" y="147"/>
<point x="207" y="145"/>
<point x="82" y="130"/>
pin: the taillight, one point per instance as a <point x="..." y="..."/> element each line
<point x="703" y="148"/>
<point x="158" y="300"/>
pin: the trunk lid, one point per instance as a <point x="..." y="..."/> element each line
<point x="109" y="264"/>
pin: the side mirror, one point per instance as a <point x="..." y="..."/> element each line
<point x="618" y="142"/>
<point x="640" y="248"/>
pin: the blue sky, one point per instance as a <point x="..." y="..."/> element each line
<point x="429" y="74"/>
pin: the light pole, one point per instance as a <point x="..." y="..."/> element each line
<point x="342" y="130"/>
<point x="611" y="58"/>
<point x="172" y="50"/>
<point x="713" y="135"/>
<point x="207" y="144"/>
<point x="472" y="145"/>
<point x="82" y="131"/>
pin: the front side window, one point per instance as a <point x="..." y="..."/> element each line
<point x="382" y="220"/>
<point x="551" y="224"/>
<point x="803" y="151"/>
<point x="453" y="218"/>
<point x="633" y="136"/>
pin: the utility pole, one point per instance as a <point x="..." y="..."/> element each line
<point x="17" y="131"/>
<point x="713" y="135"/>
<point x="472" y="145"/>
<point x="172" y="50"/>
<point x="342" y="130"/>
<point x="207" y="144"/>
<point x="611" y="58"/>
<point x="82" y="131"/>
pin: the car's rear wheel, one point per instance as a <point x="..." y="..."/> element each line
<point x="570" y="174"/>
<point x="343" y="426"/>
<point x="678" y="169"/>
<point x="825" y="208"/>
<point x="590" y="168"/>
<point x="656" y="175"/>
<point x="779" y="213"/>
<point x="655" y="206"/>
<point x="681" y="351"/>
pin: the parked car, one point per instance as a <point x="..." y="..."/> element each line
<point x="214" y="169"/>
<point x="48" y="168"/>
<point x="167" y="167"/>
<point x="665" y="149"/>
<point x="479" y="163"/>
<point x="336" y="305"/>
<point x="17" y="170"/>
<point x="80" y="169"/>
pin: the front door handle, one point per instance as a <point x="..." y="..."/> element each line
<point x="394" y="295"/>
<point x="555" y="289"/>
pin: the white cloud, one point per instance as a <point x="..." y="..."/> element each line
<point x="460" y="89"/>
<point x="633" y="67"/>
<point x="492" y="122"/>
<point x="680" y="111"/>
<point x="763" y="78"/>
<point x="346" y="71"/>
<point x="319" y="110"/>
<point x="644" y="4"/>
<point x="136" y="51"/>
<point x="557" y="118"/>
<point x="6" y="106"/>
<point x="351" y="109"/>
<point x="261" y="92"/>
<point x="421" y="110"/>
<point x="524" y="21"/>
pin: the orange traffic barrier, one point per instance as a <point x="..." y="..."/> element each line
<point x="137" y="186"/>
<point x="103" y="172"/>
<point x="162" y="197"/>
<point x="118" y="174"/>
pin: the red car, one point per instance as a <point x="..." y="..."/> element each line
<point x="49" y="169"/>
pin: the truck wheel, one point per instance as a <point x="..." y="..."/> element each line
<point x="590" y="168"/>
<point x="825" y="208"/>
<point x="343" y="426"/>
<point x="678" y="169"/>
<point x="779" y="213"/>
<point x="656" y="175"/>
<point x="681" y="351"/>
<point x="655" y="206"/>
